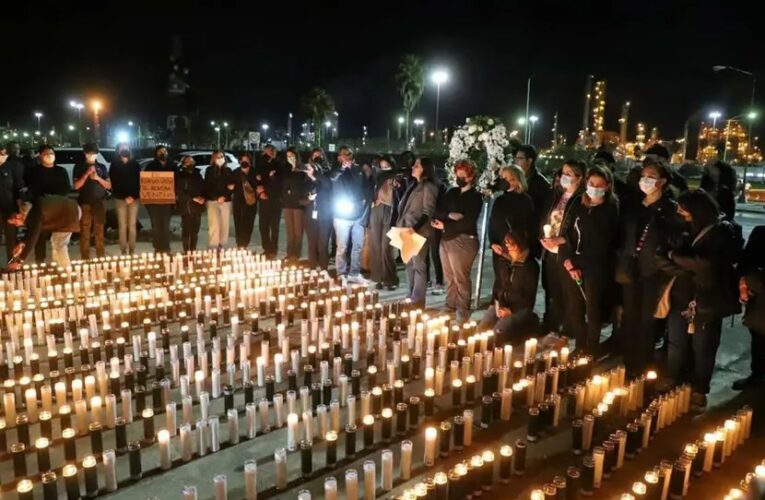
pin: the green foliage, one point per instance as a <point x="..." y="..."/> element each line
<point x="318" y="105"/>
<point x="410" y="80"/>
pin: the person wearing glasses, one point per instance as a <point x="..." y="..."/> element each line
<point x="538" y="189"/>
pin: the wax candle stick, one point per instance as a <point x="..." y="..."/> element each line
<point x="431" y="435"/>
<point x="351" y="484"/>
<point x="280" y="464"/>
<point x="220" y="487"/>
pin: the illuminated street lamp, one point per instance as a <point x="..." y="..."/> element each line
<point x="39" y="117"/>
<point x="217" y="131"/>
<point x="533" y="120"/>
<point x="714" y="115"/>
<point x="96" y="105"/>
<point x="439" y="77"/>
<point x="419" y="122"/>
<point x="401" y="121"/>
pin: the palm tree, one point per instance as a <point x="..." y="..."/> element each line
<point x="411" y="84"/>
<point x="318" y="106"/>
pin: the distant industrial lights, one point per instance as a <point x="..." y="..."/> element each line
<point x="419" y="121"/>
<point x="533" y="118"/>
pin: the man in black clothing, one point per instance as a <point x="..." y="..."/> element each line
<point x="245" y="201"/>
<point x="160" y="214"/>
<point x="91" y="179"/>
<point x="268" y="174"/>
<point x="125" y="174"/>
<point x="538" y="188"/>
<point x="11" y="186"/>
<point x="319" y="212"/>
<point x="387" y="194"/>
<point x="42" y="179"/>
<point x="751" y="289"/>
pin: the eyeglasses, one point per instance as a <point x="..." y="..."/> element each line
<point x="520" y="158"/>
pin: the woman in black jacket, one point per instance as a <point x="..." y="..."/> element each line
<point x="701" y="293"/>
<point x="125" y="174"/>
<point x="219" y="189"/>
<point x="189" y="201"/>
<point x="244" y="201"/>
<point x="588" y="256"/>
<point x="646" y="227"/>
<point x="751" y="288"/>
<point x="318" y="212"/>
<point x="515" y="291"/>
<point x="296" y="188"/>
<point x="719" y="180"/>
<point x="554" y="230"/>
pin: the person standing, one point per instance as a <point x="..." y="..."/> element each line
<point x="160" y="214"/>
<point x="11" y="187"/>
<point x="702" y="292"/>
<point x="415" y="211"/>
<point x="513" y="211"/>
<point x="719" y="180"/>
<point x="457" y="218"/>
<point x="386" y="198"/>
<point x="538" y="189"/>
<point x="268" y="174"/>
<point x="190" y="201"/>
<point x="318" y="212"/>
<point x="43" y="179"/>
<point x="646" y="227"/>
<point x="125" y="174"/>
<point x="751" y="288"/>
<point x="245" y="201"/>
<point x="91" y="179"/>
<point x="296" y="189"/>
<point x="588" y="257"/>
<point x="352" y="200"/>
<point x="219" y="187"/>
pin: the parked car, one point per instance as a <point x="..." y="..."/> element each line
<point x="69" y="157"/>
<point x="202" y="159"/>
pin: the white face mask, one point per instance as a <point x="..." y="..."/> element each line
<point x="595" y="192"/>
<point x="220" y="162"/>
<point x="647" y="185"/>
<point x="566" y="181"/>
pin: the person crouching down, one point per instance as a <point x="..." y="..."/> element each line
<point x="59" y="215"/>
<point x="512" y="315"/>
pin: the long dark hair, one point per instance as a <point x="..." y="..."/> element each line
<point x="298" y="161"/>
<point x="605" y="174"/>
<point x="428" y="168"/>
<point x="702" y="207"/>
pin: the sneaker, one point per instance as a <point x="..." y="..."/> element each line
<point x="390" y="288"/>
<point x="438" y="290"/>
<point x="698" y="402"/>
<point x="357" y="279"/>
<point x="378" y="286"/>
<point x="747" y="382"/>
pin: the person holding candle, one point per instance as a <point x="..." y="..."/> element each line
<point x="190" y="200"/>
<point x="512" y="315"/>
<point x="645" y="227"/>
<point x="269" y="174"/>
<point x="587" y="256"/>
<point x="389" y="186"/>
<point x="555" y="228"/>
<point x="415" y="210"/>
<point x="219" y="188"/>
<point x="457" y="218"/>
<point x="125" y="173"/>
<point x="319" y="211"/>
<point x="91" y="180"/>
<point x="244" y="201"/>
<point x="160" y="214"/>
<point x="701" y="293"/>
<point x="751" y="287"/>
<point x="296" y="195"/>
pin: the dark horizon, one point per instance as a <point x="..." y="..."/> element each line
<point x="247" y="70"/>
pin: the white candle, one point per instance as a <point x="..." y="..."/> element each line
<point x="293" y="431"/>
<point x="9" y="405"/>
<point x="233" y="426"/>
<point x="265" y="421"/>
<point x="250" y="479"/>
<point x="370" y="480"/>
<point x="330" y="488"/>
<point x="189" y="493"/>
<point x="221" y="489"/>
<point x="214" y="425"/>
<point x="110" y="470"/>
<point x="387" y="470"/>
<point x="405" y="466"/>
<point x="710" y="439"/>
<point x="431" y="434"/>
<point x="127" y="405"/>
<point x="186" y="442"/>
<point x="31" y="399"/>
<point x="280" y="465"/>
<point x="165" y="459"/>
<point x="467" y="417"/>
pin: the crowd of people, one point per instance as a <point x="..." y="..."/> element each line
<point x="658" y="263"/>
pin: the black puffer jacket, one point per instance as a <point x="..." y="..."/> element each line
<point x="217" y="180"/>
<point x="188" y="185"/>
<point x="295" y="189"/>
<point x="515" y="286"/>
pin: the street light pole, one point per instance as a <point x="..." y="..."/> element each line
<point x="39" y="117"/>
<point x="528" y="101"/>
<point x="289" y="128"/>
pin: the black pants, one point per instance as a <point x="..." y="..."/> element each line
<point x="9" y="231"/>
<point x="319" y="232"/>
<point x="190" y="225"/>
<point x="244" y="223"/>
<point x="691" y="358"/>
<point x="294" y="219"/>
<point x="270" y="215"/>
<point x="382" y="259"/>
<point x="758" y="353"/>
<point x="160" y="226"/>
<point x="638" y="331"/>
<point x="584" y="308"/>
<point x="435" y="257"/>
<point x="552" y="281"/>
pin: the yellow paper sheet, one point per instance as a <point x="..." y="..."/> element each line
<point x="409" y="244"/>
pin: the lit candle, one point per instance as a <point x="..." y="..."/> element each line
<point x="430" y="446"/>
<point x="165" y="459"/>
<point x="467" y="417"/>
<point x="293" y="431"/>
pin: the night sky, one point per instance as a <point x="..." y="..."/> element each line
<point x="251" y="66"/>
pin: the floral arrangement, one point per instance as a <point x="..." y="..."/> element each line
<point x="482" y="139"/>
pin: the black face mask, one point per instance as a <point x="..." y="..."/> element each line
<point x="461" y="182"/>
<point x="125" y="153"/>
<point x="162" y="156"/>
<point x="503" y="185"/>
<point x="245" y="164"/>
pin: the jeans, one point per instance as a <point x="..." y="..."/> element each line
<point x="190" y="224"/>
<point x="348" y="231"/>
<point x="294" y="220"/>
<point x="218" y="220"/>
<point x="59" y="243"/>
<point x="319" y="232"/>
<point x="244" y="223"/>
<point x="270" y="215"/>
<point x="127" y="215"/>
<point x="160" y="226"/>
<point x="416" y="274"/>
<point x="383" y="261"/>
<point x="692" y="357"/>
<point x="457" y="256"/>
<point x="93" y="216"/>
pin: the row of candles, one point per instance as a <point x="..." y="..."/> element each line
<point x="752" y="487"/>
<point x="672" y="479"/>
